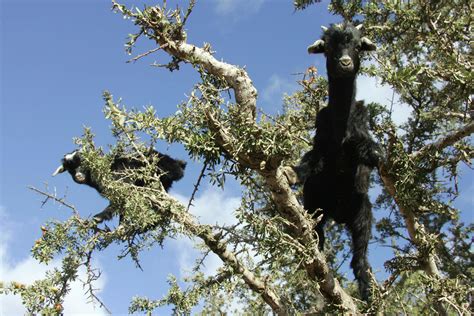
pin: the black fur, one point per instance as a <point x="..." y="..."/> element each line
<point x="170" y="169"/>
<point x="336" y="171"/>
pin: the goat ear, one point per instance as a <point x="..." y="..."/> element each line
<point x="367" y="44"/>
<point x="60" y="169"/>
<point x="317" y="47"/>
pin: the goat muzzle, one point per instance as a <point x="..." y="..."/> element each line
<point x="80" y="177"/>
<point x="345" y="61"/>
<point x="346" y="64"/>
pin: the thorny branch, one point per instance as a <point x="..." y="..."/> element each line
<point x="446" y="141"/>
<point x="215" y="243"/>
<point x="415" y="229"/>
<point x="196" y="186"/>
<point x="91" y="274"/>
<point x="56" y="199"/>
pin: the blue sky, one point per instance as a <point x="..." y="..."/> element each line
<point x="56" y="59"/>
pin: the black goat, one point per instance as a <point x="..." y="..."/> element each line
<point x="170" y="170"/>
<point x="336" y="171"/>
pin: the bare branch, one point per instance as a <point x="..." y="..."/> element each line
<point x="91" y="277"/>
<point x="237" y="78"/>
<point x="196" y="186"/>
<point x="134" y="59"/>
<point x="56" y="199"/>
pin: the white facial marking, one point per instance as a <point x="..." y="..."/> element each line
<point x="80" y="177"/>
<point x="70" y="156"/>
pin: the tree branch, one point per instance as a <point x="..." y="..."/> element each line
<point x="151" y="51"/>
<point x="56" y="199"/>
<point x="196" y="186"/>
<point x="415" y="228"/>
<point x="446" y="141"/>
<point x="315" y="265"/>
<point x="290" y="208"/>
<point x="237" y="78"/>
<point x="226" y="141"/>
<point x="213" y="241"/>
<point x="234" y="76"/>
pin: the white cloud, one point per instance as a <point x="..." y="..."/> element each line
<point x="276" y="87"/>
<point x="212" y="206"/>
<point x="237" y="8"/>
<point x="28" y="270"/>
<point x="370" y="89"/>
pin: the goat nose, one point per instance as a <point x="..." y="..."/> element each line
<point x="345" y="60"/>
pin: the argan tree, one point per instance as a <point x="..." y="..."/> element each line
<point x="271" y="261"/>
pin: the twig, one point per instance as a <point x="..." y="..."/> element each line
<point x="344" y="258"/>
<point x="188" y="12"/>
<point x="52" y="197"/>
<point x="92" y="276"/>
<point x="445" y="299"/>
<point x="196" y="186"/>
<point x="134" y="59"/>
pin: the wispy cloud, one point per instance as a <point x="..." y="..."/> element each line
<point x="276" y="87"/>
<point x="370" y="89"/>
<point x="236" y="8"/>
<point x="28" y="270"/>
<point x="213" y="206"/>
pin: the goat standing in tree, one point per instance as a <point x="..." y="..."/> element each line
<point x="336" y="171"/>
<point x="169" y="169"/>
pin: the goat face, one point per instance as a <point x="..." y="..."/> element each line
<point x="342" y="44"/>
<point x="72" y="163"/>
